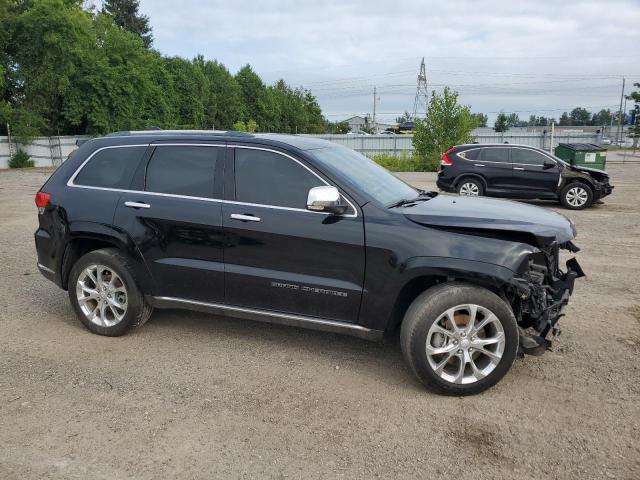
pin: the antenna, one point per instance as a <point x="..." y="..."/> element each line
<point x="422" y="94"/>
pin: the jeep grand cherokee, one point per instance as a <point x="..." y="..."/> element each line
<point x="303" y="232"/>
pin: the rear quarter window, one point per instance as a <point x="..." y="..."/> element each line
<point x="112" y="167"/>
<point x="472" y="154"/>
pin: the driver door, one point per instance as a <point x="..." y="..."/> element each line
<point x="530" y="176"/>
<point x="279" y="256"/>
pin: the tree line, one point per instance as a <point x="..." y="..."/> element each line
<point x="579" y="116"/>
<point x="69" y="70"/>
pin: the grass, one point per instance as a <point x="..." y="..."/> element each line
<point x="406" y="162"/>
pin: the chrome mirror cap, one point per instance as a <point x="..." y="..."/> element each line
<point x="325" y="199"/>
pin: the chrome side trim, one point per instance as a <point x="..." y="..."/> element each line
<point x="268" y="316"/>
<point x="70" y="182"/>
<point x="46" y="269"/>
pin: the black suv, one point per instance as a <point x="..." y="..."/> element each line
<point x="302" y="232"/>
<point x="520" y="171"/>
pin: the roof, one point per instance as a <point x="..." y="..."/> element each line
<point x="299" y="142"/>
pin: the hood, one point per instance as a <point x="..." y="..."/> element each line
<point x="594" y="172"/>
<point x="502" y="217"/>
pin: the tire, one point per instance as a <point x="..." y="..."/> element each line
<point x="428" y="312"/>
<point x="576" y="196"/>
<point x="124" y="304"/>
<point x="471" y="187"/>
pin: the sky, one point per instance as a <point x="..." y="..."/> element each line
<point x="535" y="57"/>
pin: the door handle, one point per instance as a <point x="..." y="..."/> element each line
<point x="245" y="218"/>
<point x="518" y="168"/>
<point x="137" y="205"/>
<point x="479" y="164"/>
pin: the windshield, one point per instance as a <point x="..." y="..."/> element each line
<point x="364" y="174"/>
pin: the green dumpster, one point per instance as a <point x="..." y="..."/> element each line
<point x="582" y="154"/>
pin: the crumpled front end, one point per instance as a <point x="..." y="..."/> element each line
<point x="541" y="291"/>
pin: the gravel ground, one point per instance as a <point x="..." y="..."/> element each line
<point x="192" y="395"/>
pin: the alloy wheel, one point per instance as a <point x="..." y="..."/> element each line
<point x="469" y="189"/>
<point x="465" y="344"/>
<point x="102" y="295"/>
<point x="577" y="196"/>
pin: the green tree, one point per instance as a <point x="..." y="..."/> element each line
<point x="405" y="117"/>
<point x="513" y="120"/>
<point x="446" y="124"/>
<point x="189" y="91"/>
<point x="338" y="127"/>
<point x="635" y="129"/>
<point x="501" y="124"/>
<point x="603" y="117"/>
<point x="480" y="119"/>
<point x="565" y="120"/>
<point x="580" y="116"/>
<point x="71" y="71"/>
<point x="126" y="15"/>
<point x="249" y="127"/>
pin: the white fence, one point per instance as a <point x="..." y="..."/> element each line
<point x="51" y="151"/>
<point x="44" y="151"/>
<point x="371" y="145"/>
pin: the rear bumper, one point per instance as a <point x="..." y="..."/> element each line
<point x="46" y="256"/>
<point x="444" y="183"/>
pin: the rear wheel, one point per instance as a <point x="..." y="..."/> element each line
<point x="459" y="339"/>
<point x="104" y="293"/>
<point x="470" y="187"/>
<point x="576" y="196"/>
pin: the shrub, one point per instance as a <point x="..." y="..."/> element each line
<point x="21" y="159"/>
<point x="406" y="162"/>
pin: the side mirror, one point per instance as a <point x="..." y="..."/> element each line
<point x="325" y="199"/>
<point x="548" y="164"/>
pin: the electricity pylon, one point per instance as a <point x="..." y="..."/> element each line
<point x="422" y="94"/>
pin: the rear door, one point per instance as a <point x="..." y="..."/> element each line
<point x="281" y="256"/>
<point x="529" y="175"/>
<point x="494" y="165"/>
<point x="173" y="214"/>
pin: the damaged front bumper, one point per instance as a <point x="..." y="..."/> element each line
<point x="542" y="292"/>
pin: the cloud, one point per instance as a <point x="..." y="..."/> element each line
<point x="500" y="55"/>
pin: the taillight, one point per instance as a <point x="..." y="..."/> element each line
<point x="445" y="160"/>
<point x="42" y="200"/>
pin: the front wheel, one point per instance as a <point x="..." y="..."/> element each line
<point x="459" y="339"/>
<point x="576" y="196"/>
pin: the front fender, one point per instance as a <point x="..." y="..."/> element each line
<point x="484" y="273"/>
<point x="378" y="304"/>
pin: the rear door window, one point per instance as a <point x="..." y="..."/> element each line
<point x="183" y="170"/>
<point x="268" y="178"/>
<point x="111" y="168"/>
<point x="527" y="157"/>
<point x="497" y="154"/>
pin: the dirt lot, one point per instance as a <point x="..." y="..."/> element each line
<point x="191" y="395"/>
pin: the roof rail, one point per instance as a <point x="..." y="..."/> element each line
<point x="176" y="132"/>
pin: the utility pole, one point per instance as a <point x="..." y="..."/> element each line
<point x="422" y="94"/>
<point x="375" y="99"/>
<point x="619" y="134"/>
